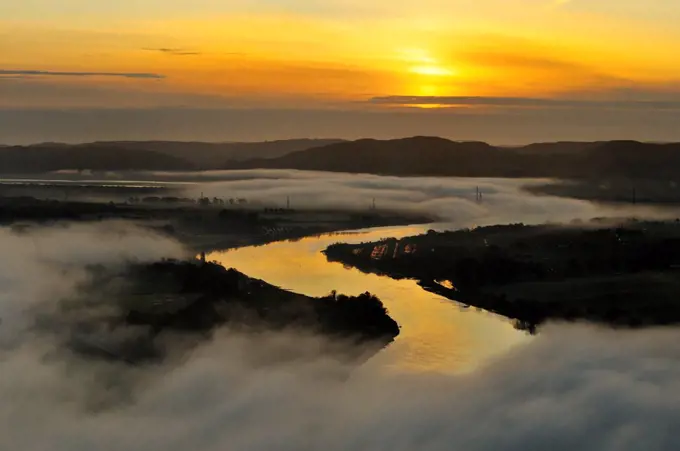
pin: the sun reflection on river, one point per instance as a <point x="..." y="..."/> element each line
<point x="436" y="333"/>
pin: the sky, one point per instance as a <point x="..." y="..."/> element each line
<point x="481" y="64"/>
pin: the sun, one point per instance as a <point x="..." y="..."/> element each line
<point x="425" y="75"/>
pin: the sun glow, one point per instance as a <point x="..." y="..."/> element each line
<point x="229" y="54"/>
<point x="432" y="70"/>
<point x="422" y="62"/>
<point x="427" y="106"/>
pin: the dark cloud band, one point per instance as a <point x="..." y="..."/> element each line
<point x="526" y="102"/>
<point x="19" y="73"/>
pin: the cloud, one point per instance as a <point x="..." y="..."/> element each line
<point x="528" y="64"/>
<point x="72" y="93"/>
<point x="525" y="102"/>
<point x="533" y="57"/>
<point x="571" y="388"/>
<point x="174" y="51"/>
<point x="185" y="52"/>
<point x="52" y="259"/>
<point x="45" y="73"/>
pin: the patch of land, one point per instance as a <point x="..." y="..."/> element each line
<point x="184" y="302"/>
<point x="622" y="274"/>
<point x="651" y="191"/>
<point x="201" y="224"/>
<point x="148" y="313"/>
<point x="158" y="310"/>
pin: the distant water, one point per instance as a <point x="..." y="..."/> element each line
<point x="437" y="334"/>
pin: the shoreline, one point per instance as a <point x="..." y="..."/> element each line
<point x="622" y="276"/>
<point x="203" y="228"/>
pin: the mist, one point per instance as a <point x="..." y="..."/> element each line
<point x="43" y="265"/>
<point x="573" y="387"/>
<point x="450" y="199"/>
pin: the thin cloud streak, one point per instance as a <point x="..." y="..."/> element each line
<point x="517" y="102"/>
<point x="174" y="51"/>
<point x="142" y="75"/>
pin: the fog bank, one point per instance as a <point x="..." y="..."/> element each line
<point x="43" y="265"/>
<point x="573" y="387"/>
<point x="451" y="199"/>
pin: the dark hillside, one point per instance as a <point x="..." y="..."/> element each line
<point x="40" y="159"/>
<point x="430" y="156"/>
<point x="213" y="155"/>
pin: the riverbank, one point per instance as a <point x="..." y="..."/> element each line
<point x="203" y="225"/>
<point x="613" y="191"/>
<point x="189" y="300"/>
<point x="620" y="275"/>
<point x="195" y="299"/>
<point x="436" y="335"/>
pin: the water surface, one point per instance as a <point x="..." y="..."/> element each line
<point x="436" y="333"/>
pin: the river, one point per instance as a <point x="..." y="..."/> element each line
<point x="437" y="335"/>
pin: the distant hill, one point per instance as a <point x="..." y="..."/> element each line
<point x="213" y="155"/>
<point x="556" y="148"/>
<point x="441" y="157"/>
<point x="420" y="155"/>
<point x="46" y="158"/>
<point x="636" y="160"/>
<point x="142" y="155"/>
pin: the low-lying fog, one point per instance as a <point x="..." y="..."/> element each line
<point x="451" y="199"/>
<point x="572" y="388"/>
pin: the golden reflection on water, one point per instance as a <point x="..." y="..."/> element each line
<point x="436" y="333"/>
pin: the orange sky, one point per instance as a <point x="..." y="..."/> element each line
<point x="307" y="52"/>
<point x="506" y="71"/>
